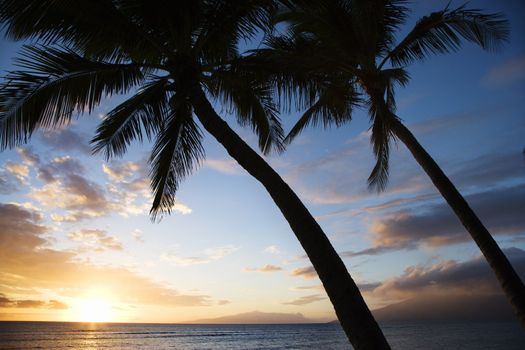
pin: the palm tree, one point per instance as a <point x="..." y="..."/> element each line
<point x="338" y="54"/>
<point x="173" y="52"/>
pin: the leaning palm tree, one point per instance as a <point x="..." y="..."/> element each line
<point x="338" y="54"/>
<point x="174" y="55"/>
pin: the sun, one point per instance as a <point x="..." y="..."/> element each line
<point x="95" y="310"/>
<point x="93" y="307"/>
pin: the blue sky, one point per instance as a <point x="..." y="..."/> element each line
<point x="226" y="248"/>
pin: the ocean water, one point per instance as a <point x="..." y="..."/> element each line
<point x="85" y="336"/>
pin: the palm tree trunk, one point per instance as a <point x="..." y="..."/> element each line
<point x="356" y="319"/>
<point x="505" y="273"/>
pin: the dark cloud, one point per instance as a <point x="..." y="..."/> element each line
<point x="305" y="272"/>
<point x="66" y="188"/>
<point x="376" y="250"/>
<point x="6" y="302"/>
<point x="489" y="170"/>
<point x="28" y="156"/>
<point x="20" y="228"/>
<point x="308" y="299"/>
<point x="501" y="210"/>
<point x="66" y="140"/>
<point x="448" y="277"/>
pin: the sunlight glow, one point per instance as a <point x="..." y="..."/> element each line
<point x="93" y="307"/>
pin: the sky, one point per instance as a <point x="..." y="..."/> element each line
<point x="77" y="243"/>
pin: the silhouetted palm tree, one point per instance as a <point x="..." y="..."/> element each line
<point x="334" y="56"/>
<point x="172" y="51"/>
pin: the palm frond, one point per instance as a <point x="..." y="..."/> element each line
<point x="333" y="107"/>
<point x="297" y="67"/>
<point x="144" y="112"/>
<point x="392" y="77"/>
<point x="380" y="138"/>
<point x="329" y="21"/>
<point x="177" y="151"/>
<point x="52" y="85"/>
<point x="441" y="32"/>
<point x="375" y="22"/>
<point x="98" y="28"/>
<point x="252" y="103"/>
<point x="228" y="22"/>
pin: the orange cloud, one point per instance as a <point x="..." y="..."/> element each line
<point x="305" y="272"/>
<point x="265" y="268"/>
<point x="308" y="299"/>
<point x="19" y="170"/>
<point x="28" y="264"/>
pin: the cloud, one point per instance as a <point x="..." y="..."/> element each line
<point x="305" y="272"/>
<point x="76" y="194"/>
<point x="28" y="157"/>
<point x="305" y="300"/>
<point x="19" y="170"/>
<point x="137" y="235"/>
<point x="97" y="240"/>
<point x="130" y="186"/>
<point x="5" y="302"/>
<point x="223" y="302"/>
<point x="181" y="208"/>
<point x="210" y="255"/>
<point x="265" y="268"/>
<point x="501" y="210"/>
<point x="228" y="167"/>
<point x="66" y="140"/>
<point x="29" y="263"/>
<point x="8" y="183"/>
<point x="446" y="122"/>
<point x="122" y="171"/>
<point x="66" y="188"/>
<point x="340" y="177"/>
<point x="272" y="250"/>
<point x="220" y="252"/>
<point x="447" y="278"/>
<point x="20" y="226"/>
<point x="57" y="305"/>
<point x="314" y="287"/>
<point x="505" y="74"/>
<point x="489" y="170"/>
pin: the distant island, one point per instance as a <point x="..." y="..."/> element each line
<point x="435" y="308"/>
<point x="257" y="317"/>
<point x="448" y="308"/>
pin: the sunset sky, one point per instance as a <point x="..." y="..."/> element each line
<point x="77" y="243"/>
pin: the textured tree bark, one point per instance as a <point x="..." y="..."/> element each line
<point x="356" y="319"/>
<point x="505" y="273"/>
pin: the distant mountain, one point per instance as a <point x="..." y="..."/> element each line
<point x="257" y="317"/>
<point x="460" y="308"/>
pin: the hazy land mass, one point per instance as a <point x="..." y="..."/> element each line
<point x="430" y="308"/>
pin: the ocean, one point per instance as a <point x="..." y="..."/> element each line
<point x="86" y="336"/>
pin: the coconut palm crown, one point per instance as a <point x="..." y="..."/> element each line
<point x="172" y="55"/>
<point x="335" y="55"/>
<point x="99" y="48"/>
